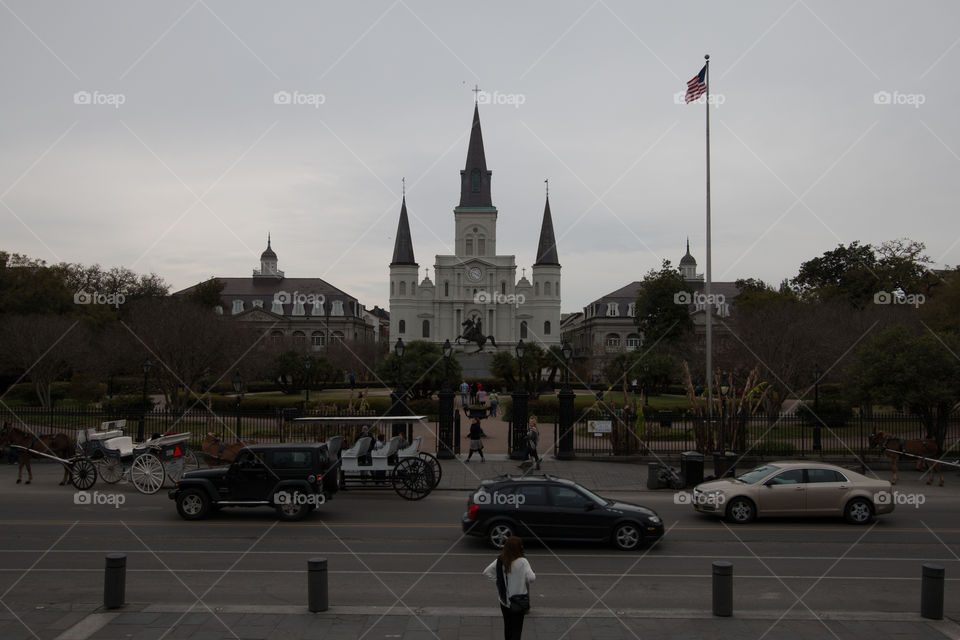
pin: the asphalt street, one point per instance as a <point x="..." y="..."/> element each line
<point x="410" y="560"/>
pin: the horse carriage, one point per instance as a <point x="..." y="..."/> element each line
<point x="410" y="471"/>
<point x="147" y="464"/>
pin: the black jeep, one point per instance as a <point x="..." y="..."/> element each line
<point x="292" y="478"/>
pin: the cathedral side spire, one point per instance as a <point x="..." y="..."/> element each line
<point x="403" y="245"/>
<point x="475" y="178"/>
<point x="547" y="247"/>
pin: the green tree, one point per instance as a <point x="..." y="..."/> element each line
<point x="423" y="369"/>
<point x="919" y="371"/>
<point x="754" y="293"/>
<point x="941" y="309"/>
<point x="662" y="312"/>
<point x="208" y="293"/>
<point x="541" y="367"/>
<point x="294" y="371"/>
<point x="31" y="287"/>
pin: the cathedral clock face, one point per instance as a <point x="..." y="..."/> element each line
<point x="475" y="274"/>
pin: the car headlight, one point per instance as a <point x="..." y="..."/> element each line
<point x="654" y="519"/>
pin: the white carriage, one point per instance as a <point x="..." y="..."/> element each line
<point x="146" y="464"/>
<point x="412" y="472"/>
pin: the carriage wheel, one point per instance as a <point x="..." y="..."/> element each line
<point x="110" y="470"/>
<point x="412" y="479"/>
<point x="83" y="474"/>
<point x="146" y="473"/>
<point x="176" y="467"/>
<point x="433" y="466"/>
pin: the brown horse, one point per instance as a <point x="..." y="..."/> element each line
<point x="924" y="451"/>
<point x="216" y="452"/>
<point x="57" y="444"/>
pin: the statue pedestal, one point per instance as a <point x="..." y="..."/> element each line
<point x="475" y="365"/>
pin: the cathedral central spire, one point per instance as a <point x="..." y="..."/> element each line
<point x="475" y="178"/>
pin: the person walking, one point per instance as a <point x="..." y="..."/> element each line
<point x="464" y="390"/>
<point x="513" y="575"/>
<point x="476" y="436"/>
<point x="533" y="439"/>
<point x="481" y="397"/>
<point x="494" y="400"/>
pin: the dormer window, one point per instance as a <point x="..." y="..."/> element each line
<point x="237" y="307"/>
<point x="258" y="304"/>
<point x="337" y="308"/>
<point x="612" y="309"/>
<point x="631" y="309"/>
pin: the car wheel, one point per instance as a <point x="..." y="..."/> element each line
<point x="292" y="509"/>
<point x="627" y="536"/>
<point x="193" y="504"/>
<point x="858" y="511"/>
<point x="498" y="534"/>
<point x="741" y="511"/>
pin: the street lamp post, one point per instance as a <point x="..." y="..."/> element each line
<point x="445" y="446"/>
<point x="519" y="423"/>
<point x="566" y="396"/>
<point x="816" y="407"/>
<point x="308" y="365"/>
<point x="238" y="390"/>
<point x="398" y="397"/>
<point x="143" y="401"/>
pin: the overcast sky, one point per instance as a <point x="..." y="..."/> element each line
<point x="148" y="134"/>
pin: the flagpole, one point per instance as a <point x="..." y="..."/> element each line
<point x="708" y="301"/>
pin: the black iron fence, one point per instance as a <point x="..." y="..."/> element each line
<point x="608" y="434"/>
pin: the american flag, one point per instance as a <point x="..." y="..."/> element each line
<point x="697" y="86"/>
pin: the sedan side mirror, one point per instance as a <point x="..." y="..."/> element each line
<point x="590" y="506"/>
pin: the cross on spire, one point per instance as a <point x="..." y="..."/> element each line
<point x="476" y="92"/>
<point x="547" y="182"/>
<point x="403" y="188"/>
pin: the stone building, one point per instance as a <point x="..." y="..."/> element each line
<point x="476" y="284"/>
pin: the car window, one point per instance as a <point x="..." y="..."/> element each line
<point x="791" y="476"/>
<point x="247" y="458"/>
<point x="533" y="495"/>
<point x="290" y="459"/>
<point x="824" y="475"/>
<point x="757" y="474"/>
<point x="567" y="498"/>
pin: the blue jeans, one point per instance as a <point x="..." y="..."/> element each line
<point x="493" y="409"/>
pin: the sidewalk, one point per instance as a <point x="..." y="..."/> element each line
<point x="469" y="623"/>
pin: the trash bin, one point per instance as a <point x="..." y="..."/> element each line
<point x="666" y="418"/>
<point x="724" y="464"/>
<point x="691" y="468"/>
<point x="654" y="479"/>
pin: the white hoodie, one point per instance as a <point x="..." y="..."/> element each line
<point x="517" y="579"/>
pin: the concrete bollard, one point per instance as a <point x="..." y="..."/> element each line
<point x="723" y="589"/>
<point x="317" y="584"/>
<point x="114" y="580"/>
<point x="931" y="592"/>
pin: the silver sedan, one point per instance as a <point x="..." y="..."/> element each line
<point x="795" y="489"/>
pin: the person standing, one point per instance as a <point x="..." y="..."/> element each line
<point x="494" y="403"/>
<point x="533" y="439"/>
<point x="513" y="575"/>
<point x="476" y="436"/>
<point x="464" y="390"/>
<point x="481" y="397"/>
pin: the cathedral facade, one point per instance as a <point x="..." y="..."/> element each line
<point x="476" y="289"/>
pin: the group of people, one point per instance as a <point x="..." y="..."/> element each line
<point x="473" y="393"/>
<point x="531" y="441"/>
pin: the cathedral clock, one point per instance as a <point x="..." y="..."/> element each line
<point x="475" y="274"/>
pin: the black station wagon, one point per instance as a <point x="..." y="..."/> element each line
<point x="291" y="478"/>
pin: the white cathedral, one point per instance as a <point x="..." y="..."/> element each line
<point x="476" y="285"/>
